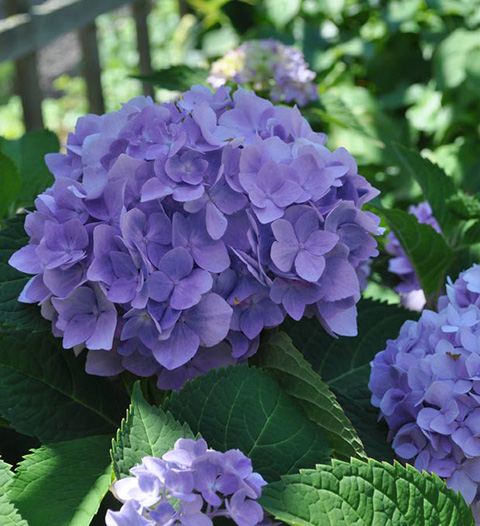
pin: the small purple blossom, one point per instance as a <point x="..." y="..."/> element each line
<point x="204" y="482"/>
<point x="270" y="67"/>
<point x="174" y="234"/>
<point x="427" y="386"/>
<point x="409" y="287"/>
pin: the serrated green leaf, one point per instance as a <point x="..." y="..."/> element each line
<point x="28" y="154"/>
<point x="64" y="483"/>
<point x="471" y="236"/>
<point x="12" y="312"/>
<point x="281" y="12"/>
<point x="6" y="474"/>
<point x="176" y="78"/>
<point x="427" y="250"/>
<point x="344" y="364"/>
<point x="146" y="431"/>
<point x="245" y="408"/>
<point x="10" y="185"/>
<point x="365" y="494"/>
<point x="299" y="381"/>
<point x="9" y="515"/>
<point x="436" y="185"/>
<point x="46" y="392"/>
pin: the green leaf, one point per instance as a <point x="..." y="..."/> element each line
<point x="298" y="380"/>
<point x="344" y="364"/>
<point x="471" y="236"/>
<point x="427" y="250"/>
<point x="176" y="78"/>
<point x="46" y="392"/>
<point x="6" y="474"/>
<point x="63" y="483"/>
<point x="10" y="185"/>
<point x="281" y="12"/>
<point x="9" y="515"/>
<point x="12" y="312"/>
<point x="146" y="431"/>
<point x="436" y="185"/>
<point x="464" y="205"/>
<point x="245" y="408"/>
<point x="365" y="494"/>
<point x="28" y="154"/>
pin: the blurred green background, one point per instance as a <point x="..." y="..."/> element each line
<point x="404" y="70"/>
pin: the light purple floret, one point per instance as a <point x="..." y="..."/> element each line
<point x="175" y="234"/>
<point x="270" y="67"/>
<point x="409" y="287"/>
<point x="190" y="485"/>
<point x="427" y="386"/>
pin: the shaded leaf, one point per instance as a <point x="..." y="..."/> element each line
<point x="298" y="380"/>
<point x="344" y="364"/>
<point x="245" y="408"/>
<point x="176" y="78"/>
<point x="10" y="185"/>
<point x="54" y="399"/>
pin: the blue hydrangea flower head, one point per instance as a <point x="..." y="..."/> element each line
<point x="427" y="386"/>
<point x="190" y="485"/>
<point x="270" y="67"/>
<point x="175" y="233"/>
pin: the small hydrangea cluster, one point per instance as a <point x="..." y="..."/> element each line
<point x="189" y="486"/>
<point x="427" y="386"/>
<point x="270" y="67"/>
<point x="409" y="288"/>
<point x="174" y="234"/>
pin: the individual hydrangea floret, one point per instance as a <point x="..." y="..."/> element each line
<point x="190" y="485"/>
<point x="427" y="386"/>
<point x="409" y="287"/>
<point x="174" y="234"/>
<point x="270" y="67"/>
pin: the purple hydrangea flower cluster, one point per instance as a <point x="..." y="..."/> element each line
<point x="174" y="234"/>
<point x="409" y="288"/>
<point x="270" y="67"/>
<point x="189" y="486"/>
<point x="427" y="386"/>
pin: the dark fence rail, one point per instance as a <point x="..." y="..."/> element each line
<point x="26" y="28"/>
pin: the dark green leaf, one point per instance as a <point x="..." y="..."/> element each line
<point x="344" y="364"/>
<point x="427" y="250"/>
<point x="436" y="185"/>
<point x="298" y="380"/>
<point x="177" y="78"/>
<point x="10" y="185"/>
<point x="146" y="431"/>
<point x="13" y="313"/>
<point x="28" y="154"/>
<point x="365" y="494"/>
<point x="64" y="483"/>
<point x="46" y="392"/>
<point x="245" y="408"/>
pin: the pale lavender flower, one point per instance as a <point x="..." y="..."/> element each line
<point x="270" y="67"/>
<point x="427" y="386"/>
<point x="204" y="483"/>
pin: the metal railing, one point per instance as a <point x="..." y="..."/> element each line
<point x="27" y="28"/>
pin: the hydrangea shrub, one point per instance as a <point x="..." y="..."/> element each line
<point x="174" y="234"/>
